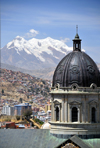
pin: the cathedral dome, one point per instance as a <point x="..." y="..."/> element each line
<point x="76" y="68"/>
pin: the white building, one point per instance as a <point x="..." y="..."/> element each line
<point x="44" y="116"/>
<point x="8" y="110"/>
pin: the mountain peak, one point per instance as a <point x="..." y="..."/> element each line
<point x="49" y="38"/>
<point x="19" y="38"/>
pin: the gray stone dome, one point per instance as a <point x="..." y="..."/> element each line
<point x="76" y="67"/>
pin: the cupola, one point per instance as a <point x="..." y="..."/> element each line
<point x="77" y="42"/>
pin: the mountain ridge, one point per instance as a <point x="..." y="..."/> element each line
<point x="34" y="53"/>
<point x="37" y="57"/>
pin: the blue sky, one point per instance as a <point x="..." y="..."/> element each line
<point x="53" y="18"/>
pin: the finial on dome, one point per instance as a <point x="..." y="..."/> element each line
<point x="76" y="29"/>
<point x="77" y="36"/>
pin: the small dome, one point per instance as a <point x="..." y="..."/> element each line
<point x="76" y="67"/>
<point x="46" y="126"/>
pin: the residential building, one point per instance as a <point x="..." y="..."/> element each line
<point x="20" y="108"/>
<point x="8" y="110"/>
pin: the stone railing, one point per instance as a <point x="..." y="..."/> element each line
<point x="79" y="89"/>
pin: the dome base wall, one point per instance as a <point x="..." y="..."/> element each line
<point x="83" y="130"/>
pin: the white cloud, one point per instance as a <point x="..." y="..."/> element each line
<point x="65" y="40"/>
<point x="31" y="33"/>
<point x="34" y="31"/>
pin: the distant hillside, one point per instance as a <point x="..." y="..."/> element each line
<point x="16" y="85"/>
<point x="45" y="73"/>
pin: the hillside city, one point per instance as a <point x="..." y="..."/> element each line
<point x="21" y="89"/>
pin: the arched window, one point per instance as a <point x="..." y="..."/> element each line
<point x="74" y="114"/>
<point x="57" y="114"/>
<point x="93" y="114"/>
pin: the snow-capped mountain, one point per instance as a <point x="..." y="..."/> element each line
<point x="34" y="53"/>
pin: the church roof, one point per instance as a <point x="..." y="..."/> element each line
<point x="38" y="138"/>
<point x="27" y="138"/>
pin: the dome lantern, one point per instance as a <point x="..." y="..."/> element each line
<point x="77" y="42"/>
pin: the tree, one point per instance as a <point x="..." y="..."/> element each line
<point x="17" y="117"/>
<point x="31" y="102"/>
<point x="20" y="100"/>
<point x="27" y="112"/>
<point x="2" y="91"/>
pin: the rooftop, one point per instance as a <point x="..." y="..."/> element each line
<point x="39" y="138"/>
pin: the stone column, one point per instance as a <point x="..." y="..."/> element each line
<point x="96" y="112"/>
<point x="52" y="111"/>
<point x="85" y="113"/>
<point x="88" y="113"/>
<point x="86" y="110"/>
<point x="54" y="114"/>
<point x="66" y="111"/>
<point x="79" y="114"/>
<point x="83" y="110"/>
<point x="62" y="119"/>
<point x="99" y="108"/>
<point x="59" y="114"/>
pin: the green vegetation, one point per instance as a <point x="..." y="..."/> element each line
<point x="38" y="121"/>
<point x="31" y="102"/>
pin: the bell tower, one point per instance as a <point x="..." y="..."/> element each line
<point x="77" y="41"/>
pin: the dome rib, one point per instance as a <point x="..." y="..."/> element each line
<point x="65" y="80"/>
<point x="82" y="61"/>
